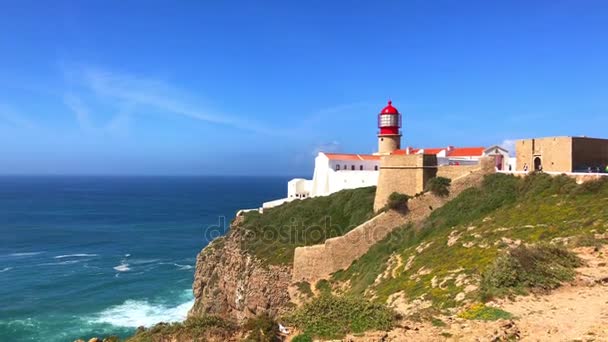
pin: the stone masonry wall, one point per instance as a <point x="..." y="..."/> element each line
<point x="455" y="171"/>
<point x="405" y="174"/>
<point x="313" y="263"/>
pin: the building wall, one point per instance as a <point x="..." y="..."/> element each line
<point x="589" y="152"/>
<point x="326" y="180"/>
<point x="312" y="263"/>
<point x="555" y="153"/>
<point x="405" y="174"/>
<point x="455" y="171"/>
<point x="388" y="143"/>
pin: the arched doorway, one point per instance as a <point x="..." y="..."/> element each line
<point x="537" y="164"/>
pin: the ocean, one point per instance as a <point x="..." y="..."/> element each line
<point x="92" y="256"/>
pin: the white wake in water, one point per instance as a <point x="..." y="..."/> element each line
<point x="122" y="268"/>
<point x="136" y="313"/>
<point x="5" y="269"/>
<point x="80" y="255"/>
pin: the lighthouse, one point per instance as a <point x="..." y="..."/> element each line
<point x="389" y="135"/>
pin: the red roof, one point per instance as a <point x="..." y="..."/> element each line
<point x="466" y="152"/>
<point x="432" y="150"/>
<point x="454" y="152"/>
<point x="349" y="156"/>
<point x="389" y="109"/>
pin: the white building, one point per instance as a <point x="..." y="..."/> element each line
<point x="338" y="171"/>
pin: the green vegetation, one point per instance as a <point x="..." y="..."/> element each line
<point x="462" y="240"/>
<point x="304" y="288"/>
<point x="439" y="186"/>
<point x="397" y="201"/>
<point x="274" y="235"/>
<point x="324" y="287"/>
<point x="261" y="328"/>
<point x="540" y="267"/>
<point x="302" y="338"/>
<point x="482" y="312"/>
<point x="333" y="317"/>
<point x="193" y="329"/>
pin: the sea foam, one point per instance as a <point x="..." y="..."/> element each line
<point x="122" y="267"/>
<point x="24" y="254"/>
<point x="80" y="255"/>
<point x="136" y="313"/>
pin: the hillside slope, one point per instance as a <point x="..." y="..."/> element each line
<point x="440" y="264"/>
<point x="248" y="271"/>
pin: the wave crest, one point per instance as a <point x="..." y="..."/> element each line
<point x="136" y="313"/>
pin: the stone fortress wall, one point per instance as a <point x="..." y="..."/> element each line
<point x="313" y="263"/>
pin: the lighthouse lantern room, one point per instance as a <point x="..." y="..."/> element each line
<point x="389" y="135"/>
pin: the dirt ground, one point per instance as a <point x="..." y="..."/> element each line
<point x="574" y="312"/>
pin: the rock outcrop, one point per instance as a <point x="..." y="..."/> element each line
<point x="231" y="283"/>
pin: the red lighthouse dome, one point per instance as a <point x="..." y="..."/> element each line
<point x="389" y="120"/>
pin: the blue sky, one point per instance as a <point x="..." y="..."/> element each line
<point x="222" y="87"/>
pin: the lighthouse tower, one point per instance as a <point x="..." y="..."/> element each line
<point x="389" y="136"/>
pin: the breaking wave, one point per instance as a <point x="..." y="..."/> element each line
<point x="136" y="313"/>
<point x="5" y="269"/>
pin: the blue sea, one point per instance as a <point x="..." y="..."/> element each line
<point x="91" y="256"/>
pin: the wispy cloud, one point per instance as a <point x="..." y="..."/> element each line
<point x="158" y="95"/>
<point x="11" y="117"/>
<point x="80" y="111"/>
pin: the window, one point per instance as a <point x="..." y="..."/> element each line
<point x="361" y="167"/>
<point x="376" y="168"/>
<point x="352" y="167"/>
<point x="388" y="120"/>
<point x="337" y="167"/>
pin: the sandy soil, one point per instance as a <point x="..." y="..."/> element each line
<point x="574" y="312"/>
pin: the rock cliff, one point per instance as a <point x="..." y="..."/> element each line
<point x="231" y="283"/>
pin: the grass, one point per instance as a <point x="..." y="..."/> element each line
<point x="193" y="329"/>
<point x="482" y="312"/>
<point x="274" y="235"/>
<point x="302" y="338"/>
<point x="332" y="317"/>
<point x="480" y="223"/>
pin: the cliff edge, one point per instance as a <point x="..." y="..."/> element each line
<point x="231" y="283"/>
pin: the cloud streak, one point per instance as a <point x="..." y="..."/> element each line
<point x="12" y="118"/>
<point x="158" y="95"/>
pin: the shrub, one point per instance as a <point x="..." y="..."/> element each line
<point x="397" y="201"/>
<point x="194" y="328"/>
<point x="304" y="288"/>
<point x="262" y="328"/>
<point x="541" y="267"/>
<point x="333" y="317"/>
<point x="302" y="338"/>
<point x="324" y="287"/>
<point x="485" y="313"/>
<point x="439" y="186"/>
